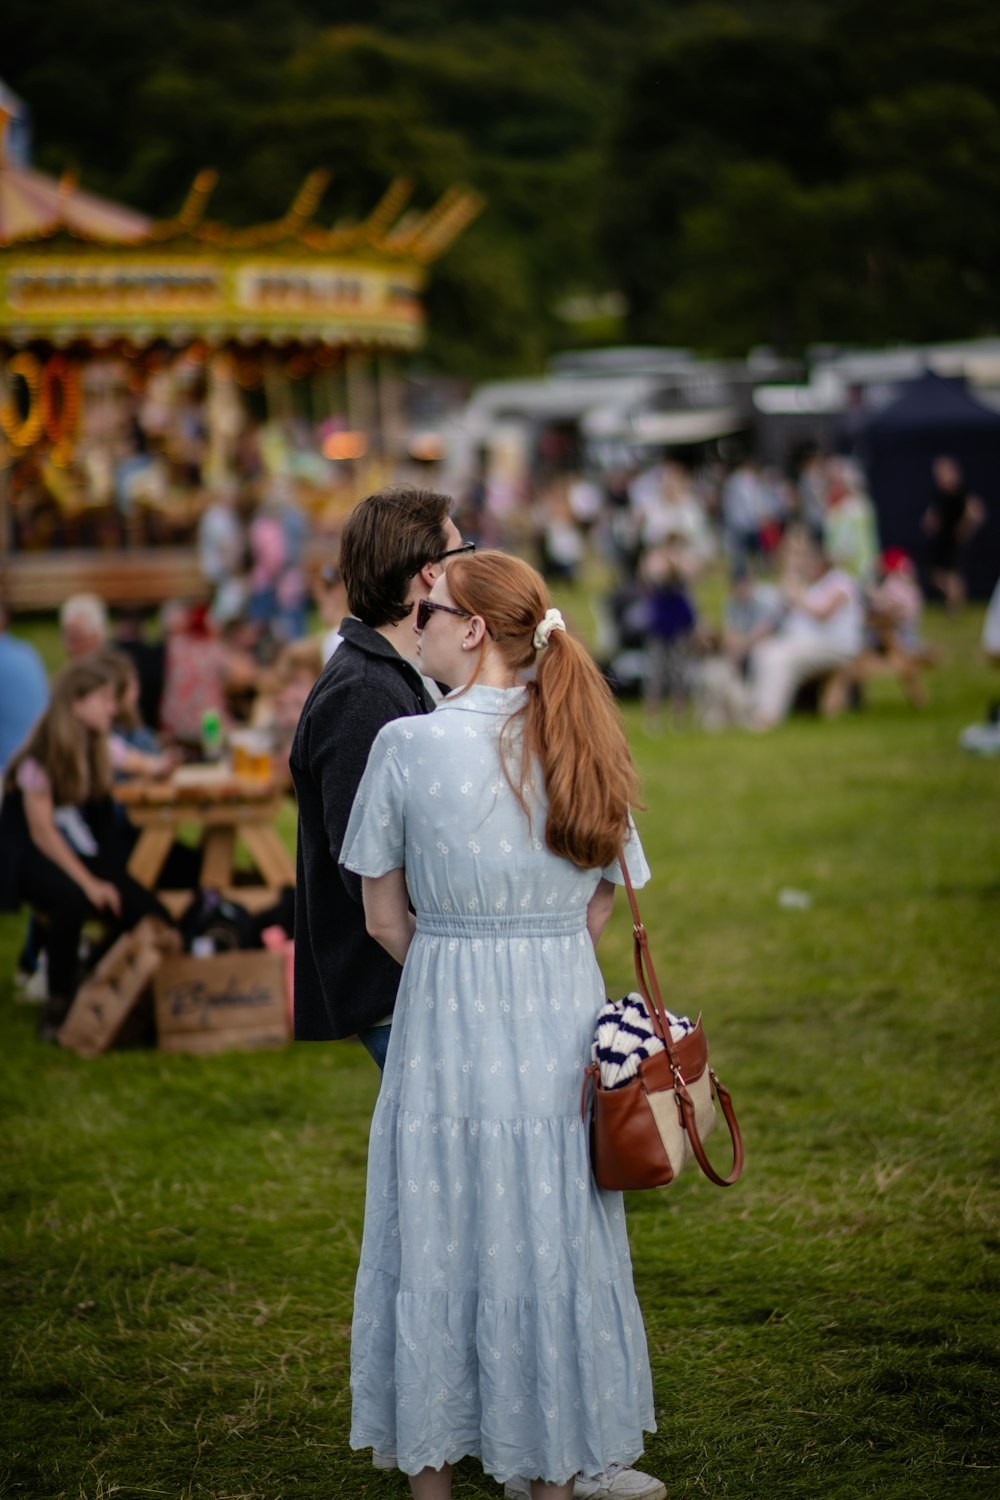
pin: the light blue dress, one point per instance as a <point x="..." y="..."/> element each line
<point x="494" y="1311"/>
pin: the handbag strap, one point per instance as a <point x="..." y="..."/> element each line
<point x="649" y="988"/>
<point x="645" y="974"/>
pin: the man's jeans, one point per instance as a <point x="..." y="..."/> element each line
<point x="376" y="1040"/>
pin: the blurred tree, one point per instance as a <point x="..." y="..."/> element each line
<point x="828" y="183"/>
<point x="900" y="45"/>
<point x="712" y="98"/>
<point x="776" y="170"/>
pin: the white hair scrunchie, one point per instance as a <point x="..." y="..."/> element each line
<point x="553" y="621"/>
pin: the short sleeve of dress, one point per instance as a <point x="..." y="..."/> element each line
<point x="374" y="842"/>
<point x="635" y="861"/>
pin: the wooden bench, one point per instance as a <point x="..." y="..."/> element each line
<point x="888" y="659"/>
<point x="144" y="575"/>
<point x="121" y="576"/>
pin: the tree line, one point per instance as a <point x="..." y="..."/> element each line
<point x="744" y="173"/>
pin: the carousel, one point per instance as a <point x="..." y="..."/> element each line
<point x="144" y="365"/>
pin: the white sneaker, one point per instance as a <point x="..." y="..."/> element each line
<point x="33" y="989"/>
<point x="383" y="1460"/>
<point x="982" y="739"/>
<point x="618" y="1482"/>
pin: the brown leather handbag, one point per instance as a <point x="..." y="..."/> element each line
<point x="643" y="1132"/>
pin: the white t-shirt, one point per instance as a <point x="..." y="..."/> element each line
<point x="843" y="630"/>
<point x="220" y="543"/>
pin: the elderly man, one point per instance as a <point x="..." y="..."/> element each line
<point x="83" y="624"/>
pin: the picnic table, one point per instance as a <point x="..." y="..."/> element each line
<point x="229" y="810"/>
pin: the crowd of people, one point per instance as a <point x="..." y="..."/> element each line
<point x="122" y="706"/>
<point x="464" y="789"/>
<point x="813" y="605"/>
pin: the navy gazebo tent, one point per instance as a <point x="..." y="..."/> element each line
<point x="934" y="416"/>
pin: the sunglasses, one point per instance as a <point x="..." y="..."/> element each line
<point x="426" y="607"/>
<point x="455" y="551"/>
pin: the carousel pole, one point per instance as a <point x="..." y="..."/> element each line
<point x="6" y="115"/>
<point x="6" y="470"/>
<point x="391" y="404"/>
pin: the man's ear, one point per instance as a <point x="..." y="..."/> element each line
<point x="429" y="572"/>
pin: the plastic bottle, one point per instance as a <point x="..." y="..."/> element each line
<point x="211" y="735"/>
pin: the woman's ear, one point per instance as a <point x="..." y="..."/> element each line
<point x="475" y="633"/>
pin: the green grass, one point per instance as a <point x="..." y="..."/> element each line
<point x="179" y="1235"/>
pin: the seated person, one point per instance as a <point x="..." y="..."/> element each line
<point x="279" y="706"/>
<point x="135" y="752"/>
<point x="893" y="644"/>
<point x="753" y="611"/>
<point x="822" y="631"/>
<point x="147" y="656"/>
<point x="196" y="669"/>
<point x="895" y="604"/>
<point x="135" y="749"/>
<point x="63" y="850"/>
<point x="83" y="625"/>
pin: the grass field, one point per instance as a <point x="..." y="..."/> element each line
<point x="179" y="1234"/>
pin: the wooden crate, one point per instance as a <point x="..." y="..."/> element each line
<point x="105" y="1002"/>
<point x="229" y="1002"/>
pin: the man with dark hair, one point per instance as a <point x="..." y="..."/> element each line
<point x="394" y="544"/>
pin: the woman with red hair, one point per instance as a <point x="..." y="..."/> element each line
<point x="495" y="1314"/>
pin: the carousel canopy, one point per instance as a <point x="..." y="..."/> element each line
<point x="74" y="267"/>
<point x="33" y="205"/>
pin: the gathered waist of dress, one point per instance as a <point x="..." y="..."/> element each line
<point x="500" y="925"/>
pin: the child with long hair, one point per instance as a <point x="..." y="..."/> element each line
<point x="134" y="748"/>
<point x="62" y="847"/>
<point x="495" y="1314"/>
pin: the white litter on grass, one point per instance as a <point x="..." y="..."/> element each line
<point x="981" y="739"/>
<point x="793" y="900"/>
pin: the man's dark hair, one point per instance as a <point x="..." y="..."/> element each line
<point x="387" y="538"/>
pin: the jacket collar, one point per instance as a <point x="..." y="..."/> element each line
<point x="365" y="639"/>
<point x="368" y="640"/>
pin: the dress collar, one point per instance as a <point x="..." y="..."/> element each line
<point x="484" y="700"/>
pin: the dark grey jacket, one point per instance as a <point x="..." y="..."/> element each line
<point x="344" y="981"/>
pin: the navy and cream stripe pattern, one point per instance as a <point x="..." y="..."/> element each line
<point x="624" y="1036"/>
